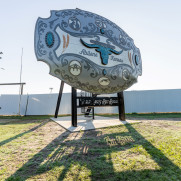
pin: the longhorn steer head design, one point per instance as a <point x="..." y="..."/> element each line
<point x="103" y="49"/>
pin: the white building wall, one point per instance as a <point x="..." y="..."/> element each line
<point x="135" y="101"/>
<point x="9" y="104"/>
<point x="153" y="101"/>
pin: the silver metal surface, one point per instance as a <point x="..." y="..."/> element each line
<point x="87" y="51"/>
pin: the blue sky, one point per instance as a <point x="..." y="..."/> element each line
<point x="154" y="25"/>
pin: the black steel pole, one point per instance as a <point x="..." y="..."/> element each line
<point x="74" y="107"/>
<point x="59" y="98"/>
<point x="121" y="108"/>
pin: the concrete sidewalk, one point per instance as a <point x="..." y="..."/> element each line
<point x="84" y="123"/>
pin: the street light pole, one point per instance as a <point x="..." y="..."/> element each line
<point x="51" y="89"/>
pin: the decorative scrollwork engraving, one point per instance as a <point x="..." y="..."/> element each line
<point x="87" y="51"/>
<point x="41" y="46"/>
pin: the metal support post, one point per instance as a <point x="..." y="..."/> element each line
<point x="93" y="113"/>
<point x="74" y="107"/>
<point x="59" y="98"/>
<point x="121" y="108"/>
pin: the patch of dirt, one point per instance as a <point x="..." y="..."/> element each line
<point x="164" y="123"/>
<point x="2" y="121"/>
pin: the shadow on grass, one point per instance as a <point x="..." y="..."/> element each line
<point x="32" y="117"/>
<point x="22" y="134"/>
<point x="93" y="152"/>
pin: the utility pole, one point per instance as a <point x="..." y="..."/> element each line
<point x="21" y="88"/>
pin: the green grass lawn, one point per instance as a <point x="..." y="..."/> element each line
<point x="128" y="115"/>
<point x="39" y="149"/>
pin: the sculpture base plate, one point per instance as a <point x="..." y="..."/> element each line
<point x="86" y="123"/>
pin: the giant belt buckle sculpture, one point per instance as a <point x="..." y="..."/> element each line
<point x="87" y="51"/>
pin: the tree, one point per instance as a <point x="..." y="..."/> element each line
<point x="1" y="54"/>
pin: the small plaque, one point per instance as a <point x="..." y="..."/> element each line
<point x="97" y="101"/>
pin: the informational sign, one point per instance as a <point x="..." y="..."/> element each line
<point x="97" y="101"/>
<point x="87" y="51"/>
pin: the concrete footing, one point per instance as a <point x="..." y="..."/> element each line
<point x="85" y="123"/>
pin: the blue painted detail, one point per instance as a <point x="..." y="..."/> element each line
<point x="136" y="60"/>
<point x="92" y="69"/>
<point x="102" y="31"/>
<point x="80" y="23"/>
<point x="49" y="39"/>
<point x="104" y="72"/>
<point x="74" y="23"/>
<point x="104" y="51"/>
